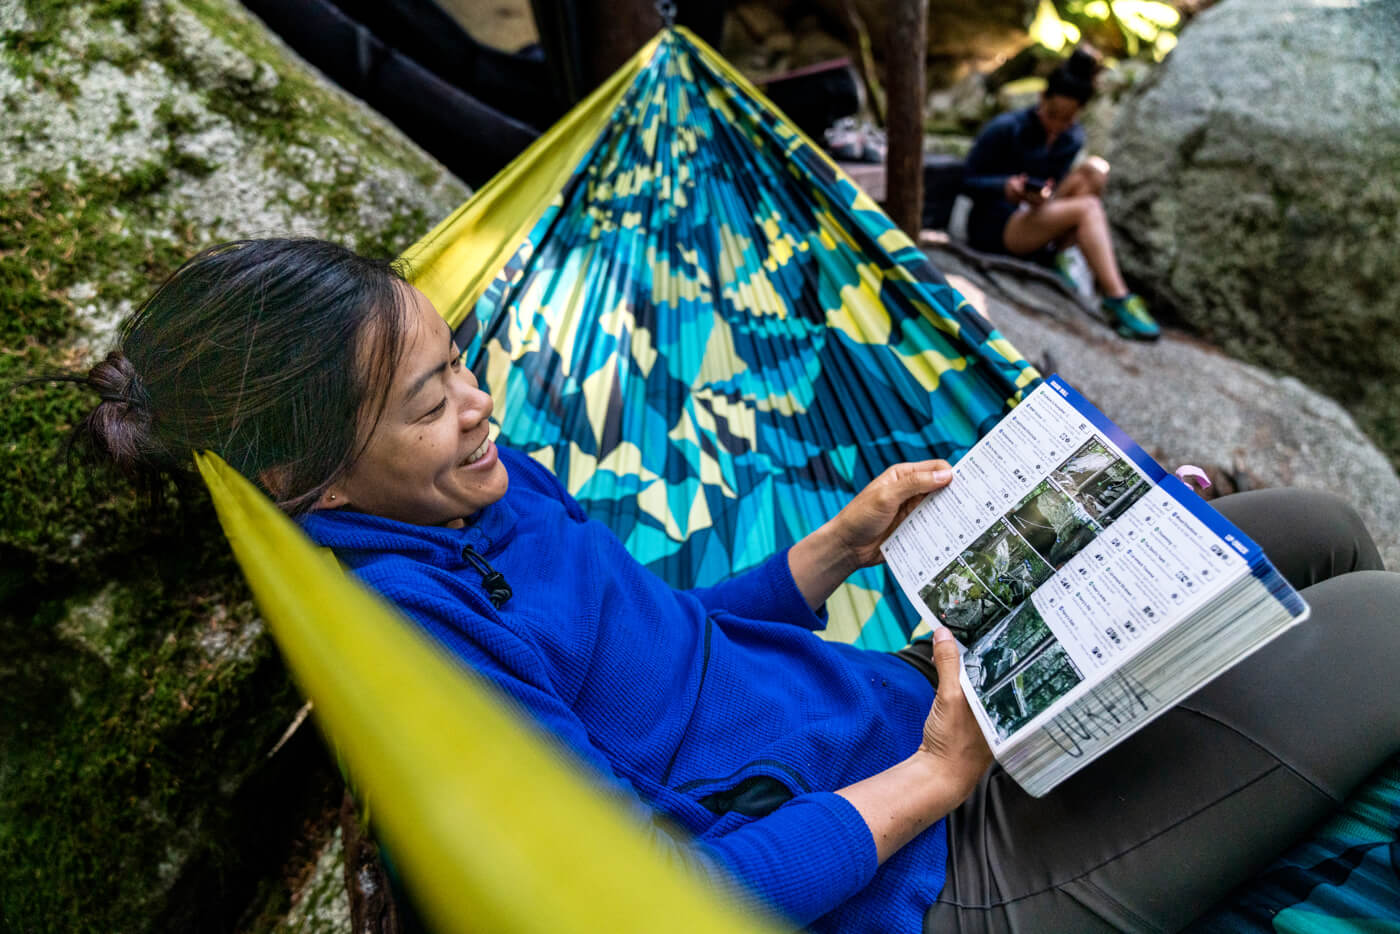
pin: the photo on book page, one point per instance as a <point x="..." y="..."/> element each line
<point x="1102" y="483"/>
<point x="1019" y="669"/>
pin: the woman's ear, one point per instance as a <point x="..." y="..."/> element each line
<point x="332" y="498"/>
<point x="274" y="480"/>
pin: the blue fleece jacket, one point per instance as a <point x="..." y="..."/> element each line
<point x="717" y="707"/>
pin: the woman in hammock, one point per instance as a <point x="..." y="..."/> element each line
<point x="1026" y="199"/>
<point x="848" y="789"/>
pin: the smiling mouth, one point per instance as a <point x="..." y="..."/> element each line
<point x="476" y="455"/>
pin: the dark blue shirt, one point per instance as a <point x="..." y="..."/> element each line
<point x="1014" y="143"/>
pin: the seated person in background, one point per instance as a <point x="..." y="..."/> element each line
<point x="1025" y="198"/>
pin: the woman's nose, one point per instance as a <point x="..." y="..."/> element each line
<point x="475" y="408"/>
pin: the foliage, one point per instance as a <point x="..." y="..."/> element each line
<point x="1142" y="26"/>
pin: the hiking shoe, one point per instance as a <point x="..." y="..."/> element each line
<point x="1130" y="313"/>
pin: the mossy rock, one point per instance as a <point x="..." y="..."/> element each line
<point x="141" y="696"/>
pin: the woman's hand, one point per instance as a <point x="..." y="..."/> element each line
<point x="1014" y="188"/>
<point x="862" y="527"/>
<point x="907" y="798"/>
<point x="1017" y="189"/>
<point x="952" y="737"/>
<point x="822" y="560"/>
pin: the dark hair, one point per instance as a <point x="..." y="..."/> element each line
<point x="268" y="352"/>
<point x="1075" y="77"/>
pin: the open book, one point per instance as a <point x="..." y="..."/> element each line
<point x="1089" y="589"/>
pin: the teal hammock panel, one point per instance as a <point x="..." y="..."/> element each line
<point x="714" y="338"/>
<point x="1346" y="878"/>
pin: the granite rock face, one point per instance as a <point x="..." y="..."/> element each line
<point x="141" y="697"/>
<point x="1186" y="402"/>
<point x="1256" y="193"/>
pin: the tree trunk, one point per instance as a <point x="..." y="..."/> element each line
<point x="611" y="32"/>
<point x="905" y="46"/>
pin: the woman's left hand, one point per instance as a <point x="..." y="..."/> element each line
<point x="862" y="527"/>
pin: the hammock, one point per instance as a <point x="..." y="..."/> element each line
<point x="707" y="331"/>
<point x="684" y="309"/>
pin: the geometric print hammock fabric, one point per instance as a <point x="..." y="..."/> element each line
<point x="714" y="338"/>
<point x="1345" y="879"/>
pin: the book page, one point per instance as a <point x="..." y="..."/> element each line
<point x="1059" y="549"/>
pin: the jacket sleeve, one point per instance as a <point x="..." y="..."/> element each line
<point x="802" y="860"/>
<point x="765" y="592"/>
<point x="987" y="166"/>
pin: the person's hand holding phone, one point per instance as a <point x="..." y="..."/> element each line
<point x="1023" y="188"/>
<point x="1036" y="191"/>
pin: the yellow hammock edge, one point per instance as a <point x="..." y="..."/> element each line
<point x="493" y="827"/>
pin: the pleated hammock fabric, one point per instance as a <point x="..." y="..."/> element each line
<point x="709" y="333"/>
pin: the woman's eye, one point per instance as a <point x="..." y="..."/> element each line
<point x="436" y="410"/>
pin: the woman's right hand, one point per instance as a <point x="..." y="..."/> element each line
<point x="951" y="734"/>
<point x="1014" y="188"/>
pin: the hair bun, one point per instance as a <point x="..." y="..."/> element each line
<point x="119" y="429"/>
<point x="1075" y="76"/>
<point x="1082" y="64"/>
<point x="116" y="380"/>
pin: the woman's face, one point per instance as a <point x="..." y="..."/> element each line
<point x="1057" y="113"/>
<point x="429" y="459"/>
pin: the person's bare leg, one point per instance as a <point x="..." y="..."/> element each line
<point x="1083" y="219"/>
<point x="1090" y="177"/>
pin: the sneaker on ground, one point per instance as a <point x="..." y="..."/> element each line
<point x="1130" y="313"/>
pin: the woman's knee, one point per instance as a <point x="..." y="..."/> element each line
<point x="1310" y="535"/>
<point x="1095" y="169"/>
<point x="1088" y="178"/>
<point x="1320" y="697"/>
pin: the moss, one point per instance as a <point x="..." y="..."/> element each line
<point x="111" y="763"/>
<point x="53" y="235"/>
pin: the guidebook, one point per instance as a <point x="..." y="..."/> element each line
<point x="1088" y="588"/>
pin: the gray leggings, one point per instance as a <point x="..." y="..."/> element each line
<point x="1151" y="835"/>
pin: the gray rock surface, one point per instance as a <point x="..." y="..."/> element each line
<point x="321" y="905"/>
<point x="1256" y="193"/>
<point x="1186" y="402"/>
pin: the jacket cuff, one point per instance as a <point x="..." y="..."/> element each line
<point x="786" y="601"/>
<point x="824" y="835"/>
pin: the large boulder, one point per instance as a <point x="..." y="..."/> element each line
<point x="1256" y="193"/>
<point x="142" y="701"/>
<point x="1185" y="401"/>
